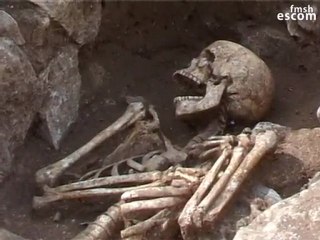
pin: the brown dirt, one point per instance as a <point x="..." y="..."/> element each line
<point x="139" y="47"/>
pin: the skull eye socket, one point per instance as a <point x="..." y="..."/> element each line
<point x="209" y="55"/>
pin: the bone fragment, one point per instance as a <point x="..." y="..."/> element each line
<point x="50" y="174"/>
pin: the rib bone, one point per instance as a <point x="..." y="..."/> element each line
<point x="49" y="175"/>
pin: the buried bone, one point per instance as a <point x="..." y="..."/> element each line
<point x="240" y="88"/>
<point x="205" y="206"/>
<point x="50" y="174"/>
<point x="264" y="143"/>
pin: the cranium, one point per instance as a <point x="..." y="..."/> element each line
<point x="230" y="73"/>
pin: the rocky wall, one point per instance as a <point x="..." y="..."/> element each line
<point x="39" y="75"/>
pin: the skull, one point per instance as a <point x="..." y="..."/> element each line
<point x="230" y="73"/>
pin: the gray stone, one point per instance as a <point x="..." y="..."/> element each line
<point x="20" y="97"/>
<point x="306" y="30"/>
<point x="295" y="218"/>
<point x="81" y="19"/>
<point x="6" y="235"/>
<point x="295" y="160"/>
<point x="60" y="108"/>
<point x="9" y="28"/>
<point x="43" y="37"/>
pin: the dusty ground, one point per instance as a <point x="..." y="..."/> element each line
<point x="138" y="52"/>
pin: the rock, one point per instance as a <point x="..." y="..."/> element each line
<point x="295" y="160"/>
<point x="9" y="28"/>
<point x="306" y="30"/>
<point x="43" y="36"/>
<point x="6" y="235"/>
<point x="20" y="97"/>
<point x="60" y="108"/>
<point x="297" y="217"/>
<point x="81" y="19"/>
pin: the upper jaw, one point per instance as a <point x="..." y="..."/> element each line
<point x="185" y="77"/>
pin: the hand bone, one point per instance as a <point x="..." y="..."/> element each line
<point x="212" y="195"/>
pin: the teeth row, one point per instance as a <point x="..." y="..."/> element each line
<point x="188" y="75"/>
<point x="183" y="98"/>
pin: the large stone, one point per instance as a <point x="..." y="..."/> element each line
<point x="295" y="160"/>
<point x="42" y="36"/>
<point x="6" y="235"/>
<point x="295" y="218"/>
<point x="305" y="30"/>
<point x="9" y="28"/>
<point x="60" y="108"/>
<point x="81" y="19"/>
<point x="20" y="98"/>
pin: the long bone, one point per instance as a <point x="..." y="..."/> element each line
<point x="46" y="200"/>
<point x="107" y="186"/>
<point x="238" y="155"/>
<point x="50" y="174"/>
<point x="132" y="209"/>
<point x="142" y="227"/>
<point x="104" y="227"/>
<point x="162" y="222"/>
<point x="185" y="218"/>
<point x="188" y="174"/>
<point x="264" y="143"/>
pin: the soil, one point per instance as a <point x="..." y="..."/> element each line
<point x="139" y="47"/>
